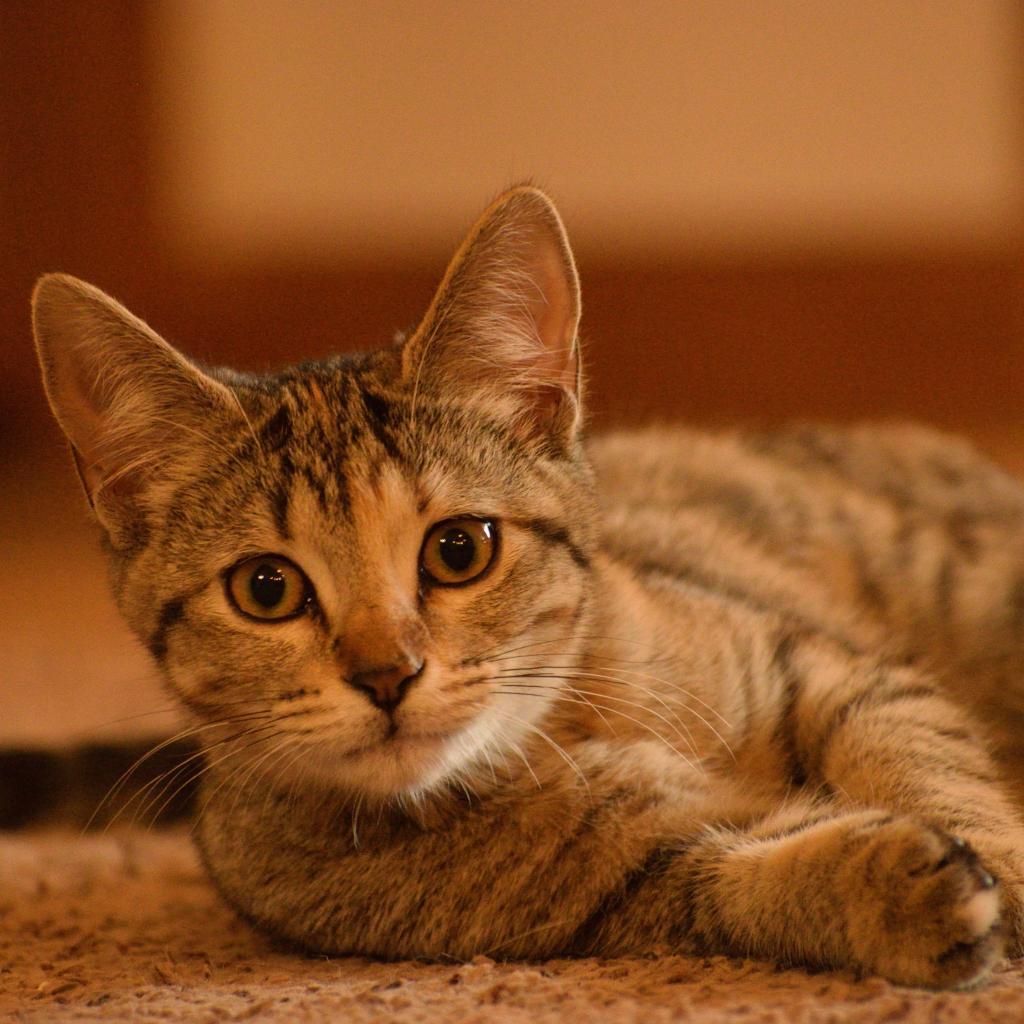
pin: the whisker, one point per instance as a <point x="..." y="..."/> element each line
<point x="186" y="733"/>
<point x="675" y="686"/>
<point x="599" y="677"/>
<point x="659" y="679"/>
<point x="674" y="726"/>
<point x="232" y="772"/>
<point x="276" y="755"/>
<point x="243" y="776"/>
<point x="355" y="819"/>
<point x="622" y="714"/>
<point x="301" y="748"/>
<point x="490" y="764"/>
<point x="577" y="675"/>
<point x="554" y="672"/>
<point x="231" y="775"/>
<point x="158" y="786"/>
<point x="497" y="650"/>
<point x="245" y="734"/>
<point x="508" y="679"/>
<point x="544" y="736"/>
<point x="170" y="709"/>
<point x="518" y="751"/>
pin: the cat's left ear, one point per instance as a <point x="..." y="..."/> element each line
<point x="502" y="329"/>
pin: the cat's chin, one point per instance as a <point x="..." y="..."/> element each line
<point x="405" y="763"/>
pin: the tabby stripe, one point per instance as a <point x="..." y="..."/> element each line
<point x="31" y="785"/>
<point x="279" y="502"/>
<point x="785" y="734"/>
<point x="654" y="866"/>
<point x="870" y="589"/>
<point x="961" y="735"/>
<point x="903" y="548"/>
<point x="961" y="529"/>
<point x="745" y="658"/>
<point x="277" y="431"/>
<point x="171" y="613"/>
<point x="956" y="819"/>
<point x="691" y="577"/>
<point x="873" y="698"/>
<point x="552" y="533"/>
<point x="954" y="769"/>
<point x="965" y="756"/>
<point x="380" y="418"/>
<point x="698" y="885"/>
<point x="953" y="735"/>
<point x="945" y="585"/>
<point x="735" y="503"/>
<point x="298" y="694"/>
<point x="561" y="613"/>
<point x="41" y="786"/>
<point x="1015" y="607"/>
<point x="318" y="487"/>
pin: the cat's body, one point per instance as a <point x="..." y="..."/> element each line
<point x="468" y="688"/>
<point x="902" y="542"/>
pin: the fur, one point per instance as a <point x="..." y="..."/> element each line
<point x="755" y="693"/>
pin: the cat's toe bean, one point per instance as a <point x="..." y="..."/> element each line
<point x="980" y="912"/>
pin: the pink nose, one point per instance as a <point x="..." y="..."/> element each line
<point x="387" y="686"/>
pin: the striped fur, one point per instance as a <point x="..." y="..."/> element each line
<point x="749" y="693"/>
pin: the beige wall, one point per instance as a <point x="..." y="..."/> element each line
<point x="307" y="126"/>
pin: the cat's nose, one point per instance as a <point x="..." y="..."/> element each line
<point x="387" y="686"/>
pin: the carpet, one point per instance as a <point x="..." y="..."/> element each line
<point x="125" y="927"/>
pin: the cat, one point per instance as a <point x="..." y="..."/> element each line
<point x="468" y="683"/>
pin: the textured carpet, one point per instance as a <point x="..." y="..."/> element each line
<point x="126" y="928"/>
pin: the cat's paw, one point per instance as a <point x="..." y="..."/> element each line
<point x="928" y="912"/>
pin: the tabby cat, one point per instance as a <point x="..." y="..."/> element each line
<point x="466" y="683"/>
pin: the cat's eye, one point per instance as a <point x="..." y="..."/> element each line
<point x="458" y="550"/>
<point x="268" y="587"/>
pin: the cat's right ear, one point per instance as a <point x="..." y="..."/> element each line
<point x="127" y="401"/>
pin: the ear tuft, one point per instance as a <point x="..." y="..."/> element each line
<point x="502" y="329"/>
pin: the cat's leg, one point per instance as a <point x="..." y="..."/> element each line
<point x="885" y="737"/>
<point x="621" y="858"/>
<point x="886" y="894"/>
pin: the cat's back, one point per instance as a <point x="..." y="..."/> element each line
<point x="914" y="469"/>
<point x="861" y="530"/>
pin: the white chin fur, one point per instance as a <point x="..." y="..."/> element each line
<point x="406" y="766"/>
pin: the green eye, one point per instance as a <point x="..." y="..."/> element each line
<point x="268" y="587"/>
<point x="458" y="550"/>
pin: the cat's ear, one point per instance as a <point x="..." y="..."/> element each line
<point x="127" y="401"/>
<point x="502" y="327"/>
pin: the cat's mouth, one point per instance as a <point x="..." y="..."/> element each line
<point x="399" y="761"/>
<point x="399" y="742"/>
<point x="389" y="761"/>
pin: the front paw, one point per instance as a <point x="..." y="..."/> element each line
<point x="922" y="909"/>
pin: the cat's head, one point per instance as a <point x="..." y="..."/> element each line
<point x="347" y="562"/>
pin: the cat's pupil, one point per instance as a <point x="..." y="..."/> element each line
<point x="267" y="586"/>
<point x="457" y="549"/>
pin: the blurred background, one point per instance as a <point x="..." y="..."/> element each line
<point x="781" y="210"/>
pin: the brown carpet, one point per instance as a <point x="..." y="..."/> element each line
<point x="126" y="928"/>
